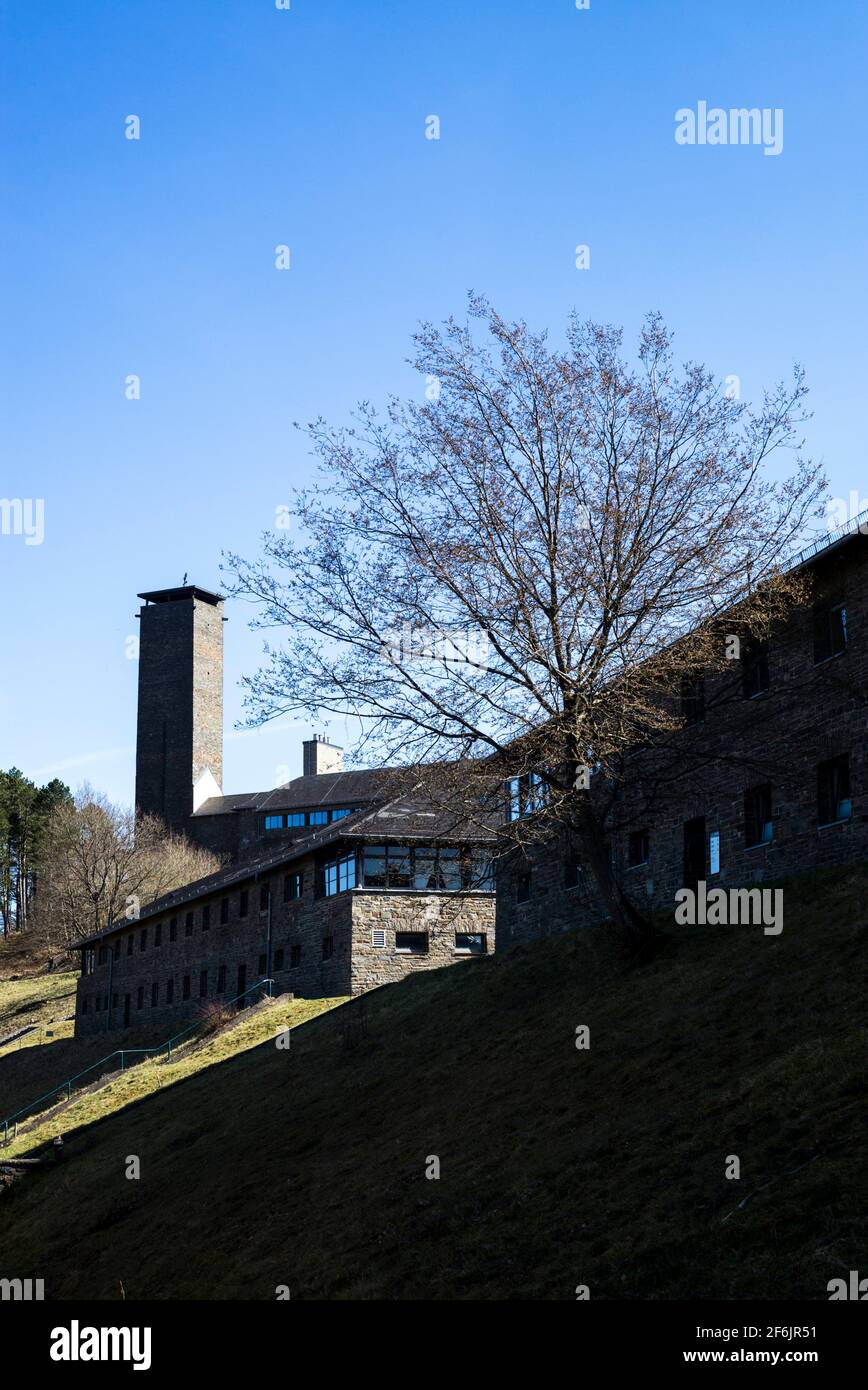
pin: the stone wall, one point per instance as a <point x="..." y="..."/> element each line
<point x="434" y="916"/>
<point x="809" y="714"/>
<point x="321" y="947"/>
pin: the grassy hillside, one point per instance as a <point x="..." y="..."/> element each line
<point x="558" y="1166"/>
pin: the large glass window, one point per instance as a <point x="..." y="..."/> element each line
<point x="426" y="868"/>
<point x="524" y="795"/>
<point x="339" y="875"/>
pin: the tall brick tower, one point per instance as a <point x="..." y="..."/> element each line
<point x="179" y="736"/>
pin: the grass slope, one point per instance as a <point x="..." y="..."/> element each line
<point x="558" y="1167"/>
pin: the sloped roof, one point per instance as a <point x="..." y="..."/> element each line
<point x="350" y="788"/>
<point x="406" y="818"/>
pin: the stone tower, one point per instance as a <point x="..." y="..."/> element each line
<point x="179" y="735"/>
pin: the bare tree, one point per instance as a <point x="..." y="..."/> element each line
<point x="103" y="864"/>
<point x="519" y="571"/>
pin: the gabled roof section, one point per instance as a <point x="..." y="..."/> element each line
<point x="405" y="818"/>
<point x="325" y="789"/>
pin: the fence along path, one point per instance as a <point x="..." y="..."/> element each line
<point x="263" y="988"/>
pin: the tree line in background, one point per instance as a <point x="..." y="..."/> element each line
<point x="72" y="864"/>
<point x="26" y="813"/>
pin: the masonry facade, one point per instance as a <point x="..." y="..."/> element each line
<point x="769" y="775"/>
<point x="349" y="908"/>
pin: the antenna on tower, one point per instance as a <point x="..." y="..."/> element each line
<point x="184" y="580"/>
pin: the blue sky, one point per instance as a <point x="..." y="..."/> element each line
<point x="306" y="127"/>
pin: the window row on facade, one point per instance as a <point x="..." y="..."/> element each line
<point x="702" y="847"/>
<point x="405" y="867"/>
<point x="830" y="639"/>
<point x="204" y="984"/>
<point x="289" y="820"/>
<point x="526" y="794"/>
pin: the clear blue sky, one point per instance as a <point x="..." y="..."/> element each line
<point x="307" y="127"/>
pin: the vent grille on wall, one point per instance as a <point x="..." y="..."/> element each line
<point x="378" y="937"/>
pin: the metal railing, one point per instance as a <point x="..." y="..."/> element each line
<point x="263" y="985"/>
<point x="831" y="537"/>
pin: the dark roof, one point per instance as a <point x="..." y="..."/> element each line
<point x="405" y="818"/>
<point x="183" y="591"/>
<point x="351" y="788"/>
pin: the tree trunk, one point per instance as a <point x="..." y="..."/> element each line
<point x="637" y="931"/>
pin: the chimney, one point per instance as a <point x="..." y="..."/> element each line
<point x="179" y="737"/>
<point x="321" y="756"/>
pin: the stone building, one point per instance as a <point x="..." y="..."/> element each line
<point x="335" y="883"/>
<point x="768" y="777"/>
<point x="363" y="902"/>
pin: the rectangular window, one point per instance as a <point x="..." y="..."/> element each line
<point x="203" y="983"/>
<point x="143" y="939"/>
<point x="185" y="987"/>
<point x="318" y="818"/>
<point x="339" y="875"/>
<point x="525" y="794"/>
<point x="274" y="822"/>
<point x="262" y="965"/>
<point x="242" y="980"/>
<point x="170" y="991"/>
<point x="102" y="956"/>
<point x="130" y="944"/>
<point x="341" y="812"/>
<point x="572" y="872"/>
<point x="158" y="934"/>
<point x="294" y="956"/>
<point x="755" y="668"/>
<point x="278" y="959"/>
<point x="480" y="871"/>
<point x="830" y="631"/>
<point x="374" y="866"/>
<point x="263" y="897"/>
<point x="522" y="890"/>
<point x="173" y="928"/>
<point x="224" y="911"/>
<point x="118" y="949"/>
<point x="295" y="818"/>
<point x="471" y="943"/>
<point x="328" y="947"/>
<point x="188" y="924"/>
<point x="414" y="943"/>
<point x="638" y="848"/>
<point x="140" y="996"/>
<point x="714" y="852"/>
<point x="155" y="994"/>
<point x="833" y="791"/>
<point x="758" y="828"/>
<point x="206" y="918"/>
<point x="242" y="903"/>
<point x="692" y="699"/>
<point x="221" y="979"/>
<point x="292" y="887"/>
